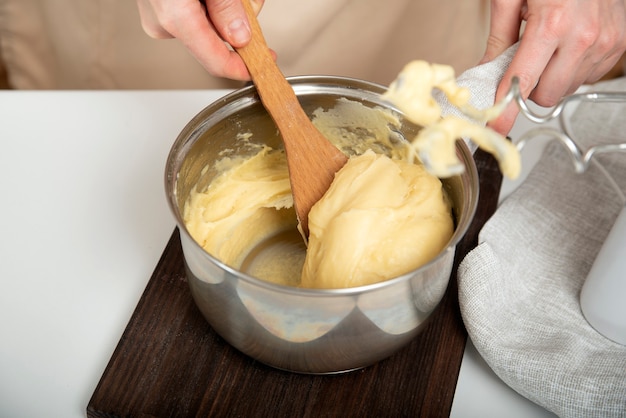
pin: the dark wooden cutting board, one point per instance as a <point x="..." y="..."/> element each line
<point x="170" y="363"/>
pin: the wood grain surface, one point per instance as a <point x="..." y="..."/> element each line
<point x="170" y="363"/>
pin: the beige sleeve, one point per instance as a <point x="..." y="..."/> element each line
<point x="95" y="44"/>
<point x="99" y="44"/>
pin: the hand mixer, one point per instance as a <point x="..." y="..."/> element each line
<point x="580" y="159"/>
<point x="602" y="295"/>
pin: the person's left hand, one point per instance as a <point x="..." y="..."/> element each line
<point x="565" y="43"/>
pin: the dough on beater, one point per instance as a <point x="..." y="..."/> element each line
<point x="412" y="92"/>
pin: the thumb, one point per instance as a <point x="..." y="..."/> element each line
<point x="229" y="19"/>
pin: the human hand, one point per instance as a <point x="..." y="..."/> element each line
<point x="205" y="27"/>
<point x="565" y="43"/>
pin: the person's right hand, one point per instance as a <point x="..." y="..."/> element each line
<point x="205" y="27"/>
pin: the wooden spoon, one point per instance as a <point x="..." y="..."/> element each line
<point x="311" y="159"/>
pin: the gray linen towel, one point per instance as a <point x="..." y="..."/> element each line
<point x="519" y="289"/>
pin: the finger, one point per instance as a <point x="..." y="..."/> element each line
<point x="558" y="78"/>
<point x="150" y="22"/>
<point x="194" y="30"/>
<point x="588" y="71"/>
<point x="569" y="68"/>
<point x="530" y="60"/>
<point x="229" y="18"/>
<point x="215" y="55"/>
<point x="504" y="27"/>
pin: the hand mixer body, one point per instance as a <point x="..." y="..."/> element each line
<point x="602" y="298"/>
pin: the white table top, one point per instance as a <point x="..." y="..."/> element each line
<point x="84" y="222"/>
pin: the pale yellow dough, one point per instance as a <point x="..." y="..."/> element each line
<point x="379" y="219"/>
<point x="248" y="202"/>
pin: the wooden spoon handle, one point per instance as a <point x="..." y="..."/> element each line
<point x="312" y="160"/>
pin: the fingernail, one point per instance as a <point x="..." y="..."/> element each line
<point x="239" y="32"/>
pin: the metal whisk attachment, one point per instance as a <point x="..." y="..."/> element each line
<point x="580" y="158"/>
